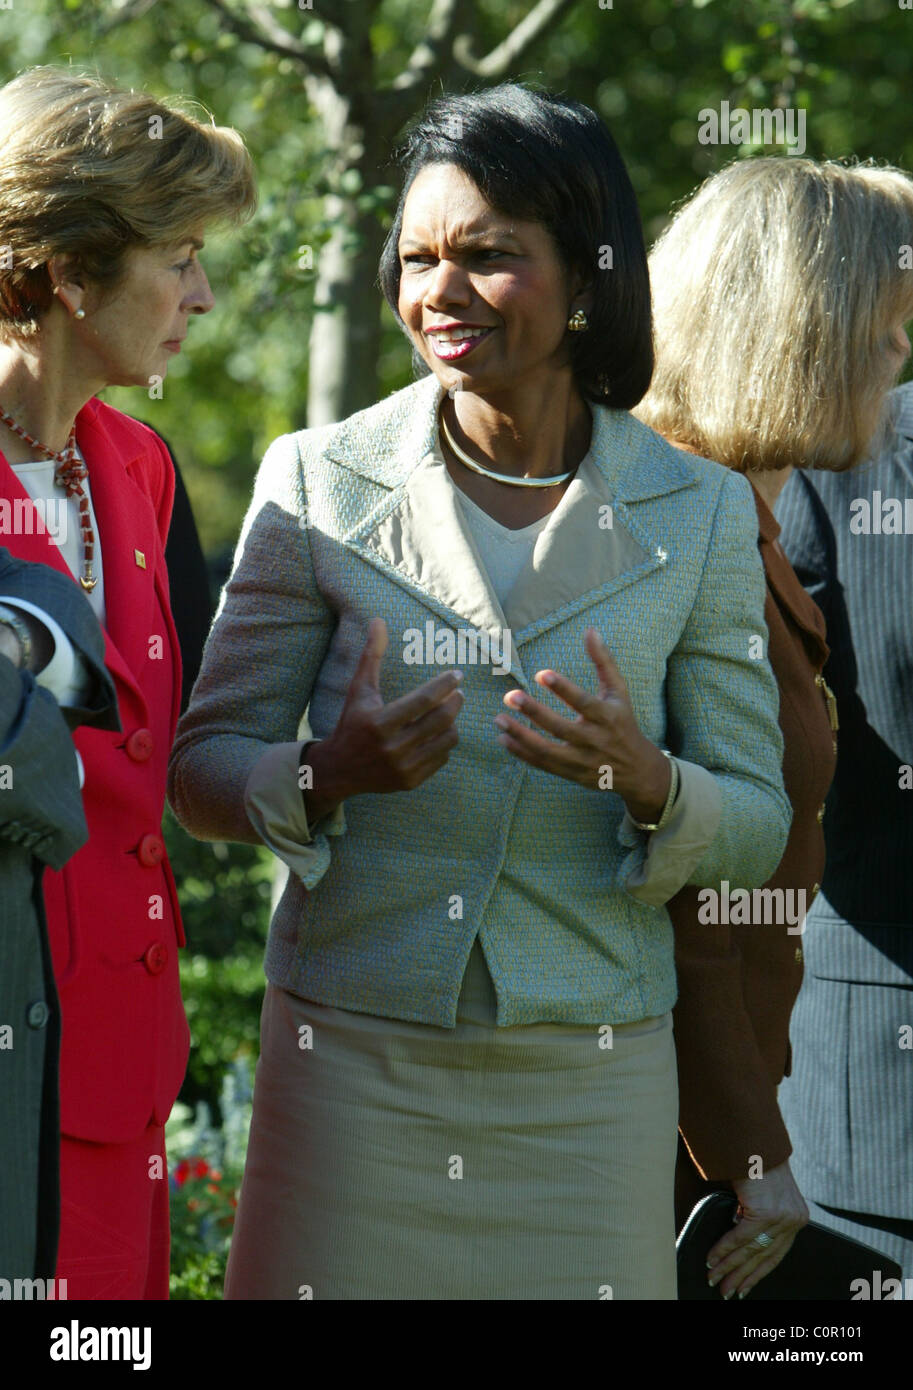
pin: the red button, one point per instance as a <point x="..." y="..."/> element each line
<point x="151" y="850"/>
<point x="139" y="745"/>
<point x="156" y="958"/>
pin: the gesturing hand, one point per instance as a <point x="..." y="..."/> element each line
<point x="603" y="733"/>
<point x="384" y="748"/>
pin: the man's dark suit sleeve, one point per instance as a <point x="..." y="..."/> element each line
<point x="41" y="823"/>
<point x="40" y="800"/>
<point x="55" y="592"/>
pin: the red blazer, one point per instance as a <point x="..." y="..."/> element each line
<point x="113" y="917"/>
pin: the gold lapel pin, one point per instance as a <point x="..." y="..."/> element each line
<point x="140" y="559"/>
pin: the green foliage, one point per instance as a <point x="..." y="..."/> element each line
<point x="213" y="877"/>
<point x="222" y="999"/>
<point x="648" y="69"/>
<point x="225" y="905"/>
<point x="195" y="1274"/>
<point x="203" y="1204"/>
<point x="205" y="1168"/>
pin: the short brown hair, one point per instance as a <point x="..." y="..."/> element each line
<point x="91" y="171"/>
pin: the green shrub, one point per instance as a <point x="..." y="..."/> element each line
<point x="224" y="892"/>
<point x="205" y="1168"/>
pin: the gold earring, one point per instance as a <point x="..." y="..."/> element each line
<point x="578" y="322"/>
<point x="80" y="314"/>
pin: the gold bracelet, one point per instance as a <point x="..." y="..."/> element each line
<point x="670" y="799"/>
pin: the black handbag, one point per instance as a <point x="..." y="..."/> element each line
<point x="820" y="1264"/>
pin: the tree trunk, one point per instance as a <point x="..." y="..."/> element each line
<point x="344" y="343"/>
<point x="345" y="334"/>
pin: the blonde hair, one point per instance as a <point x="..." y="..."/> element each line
<point x="90" y="171"/>
<point x="776" y="289"/>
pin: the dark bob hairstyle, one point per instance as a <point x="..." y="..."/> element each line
<point x="543" y="158"/>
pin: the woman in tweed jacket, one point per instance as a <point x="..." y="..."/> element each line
<point x="466" y="1086"/>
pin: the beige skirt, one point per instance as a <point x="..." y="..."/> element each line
<point x="395" y="1160"/>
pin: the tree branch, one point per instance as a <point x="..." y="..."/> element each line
<point x="505" y="54"/>
<point x="266" y="32"/>
<point x="429" y="54"/>
<point x="123" y="14"/>
<point x="340" y="20"/>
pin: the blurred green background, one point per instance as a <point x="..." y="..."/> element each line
<point x="320" y="90"/>
<point x="647" y="66"/>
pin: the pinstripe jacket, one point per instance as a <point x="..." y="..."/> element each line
<point x="657" y="550"/>
<point x="42" y="823"/>
<point x="848" y="1104"/>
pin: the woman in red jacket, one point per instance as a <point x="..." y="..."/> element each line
<point x="104" y="196"/>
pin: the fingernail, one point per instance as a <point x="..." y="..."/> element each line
<point x="501" y="721"/>
<point x="459" y="675"/>
<point x="742" y="1293"/>
<point x="713" y="1282"/>
<point x="727" y="1296"/>
<point x="711" y="1263"/>
<point x="548" y="678"/>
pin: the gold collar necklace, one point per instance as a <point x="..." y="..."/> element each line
<point x="501" y="477"/>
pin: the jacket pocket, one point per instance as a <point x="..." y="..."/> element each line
<point x="857" y="952"/>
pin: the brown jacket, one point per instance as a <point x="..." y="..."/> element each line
<point x="738" y="983"/>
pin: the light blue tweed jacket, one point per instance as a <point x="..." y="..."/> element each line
<point x="386" y="896"/>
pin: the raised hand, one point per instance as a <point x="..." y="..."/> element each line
<point x="603" y="733"/>
<point x="384" y="748"/>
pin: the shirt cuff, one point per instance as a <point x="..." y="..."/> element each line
<point x="66" y="675"/>
<point x="274" y="802"/>
<point x="659" y="862"/>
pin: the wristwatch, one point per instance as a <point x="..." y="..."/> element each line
<point x="11" y="619"/>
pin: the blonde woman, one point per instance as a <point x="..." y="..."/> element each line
<point x="779" y="308"/>
<point x="104" y="198"/>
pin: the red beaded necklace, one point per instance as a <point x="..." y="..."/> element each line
<point x="70" y="474"/>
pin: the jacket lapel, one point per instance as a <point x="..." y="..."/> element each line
<point x="597" y="540"/>
<point x="127" y="525"/>
<point x="424" y="537"/>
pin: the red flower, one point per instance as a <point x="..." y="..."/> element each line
<point x="200" y="1168"/>
<point x="182" y="1172"/>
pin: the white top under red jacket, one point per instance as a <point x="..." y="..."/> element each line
<point x="112" y="911"/>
